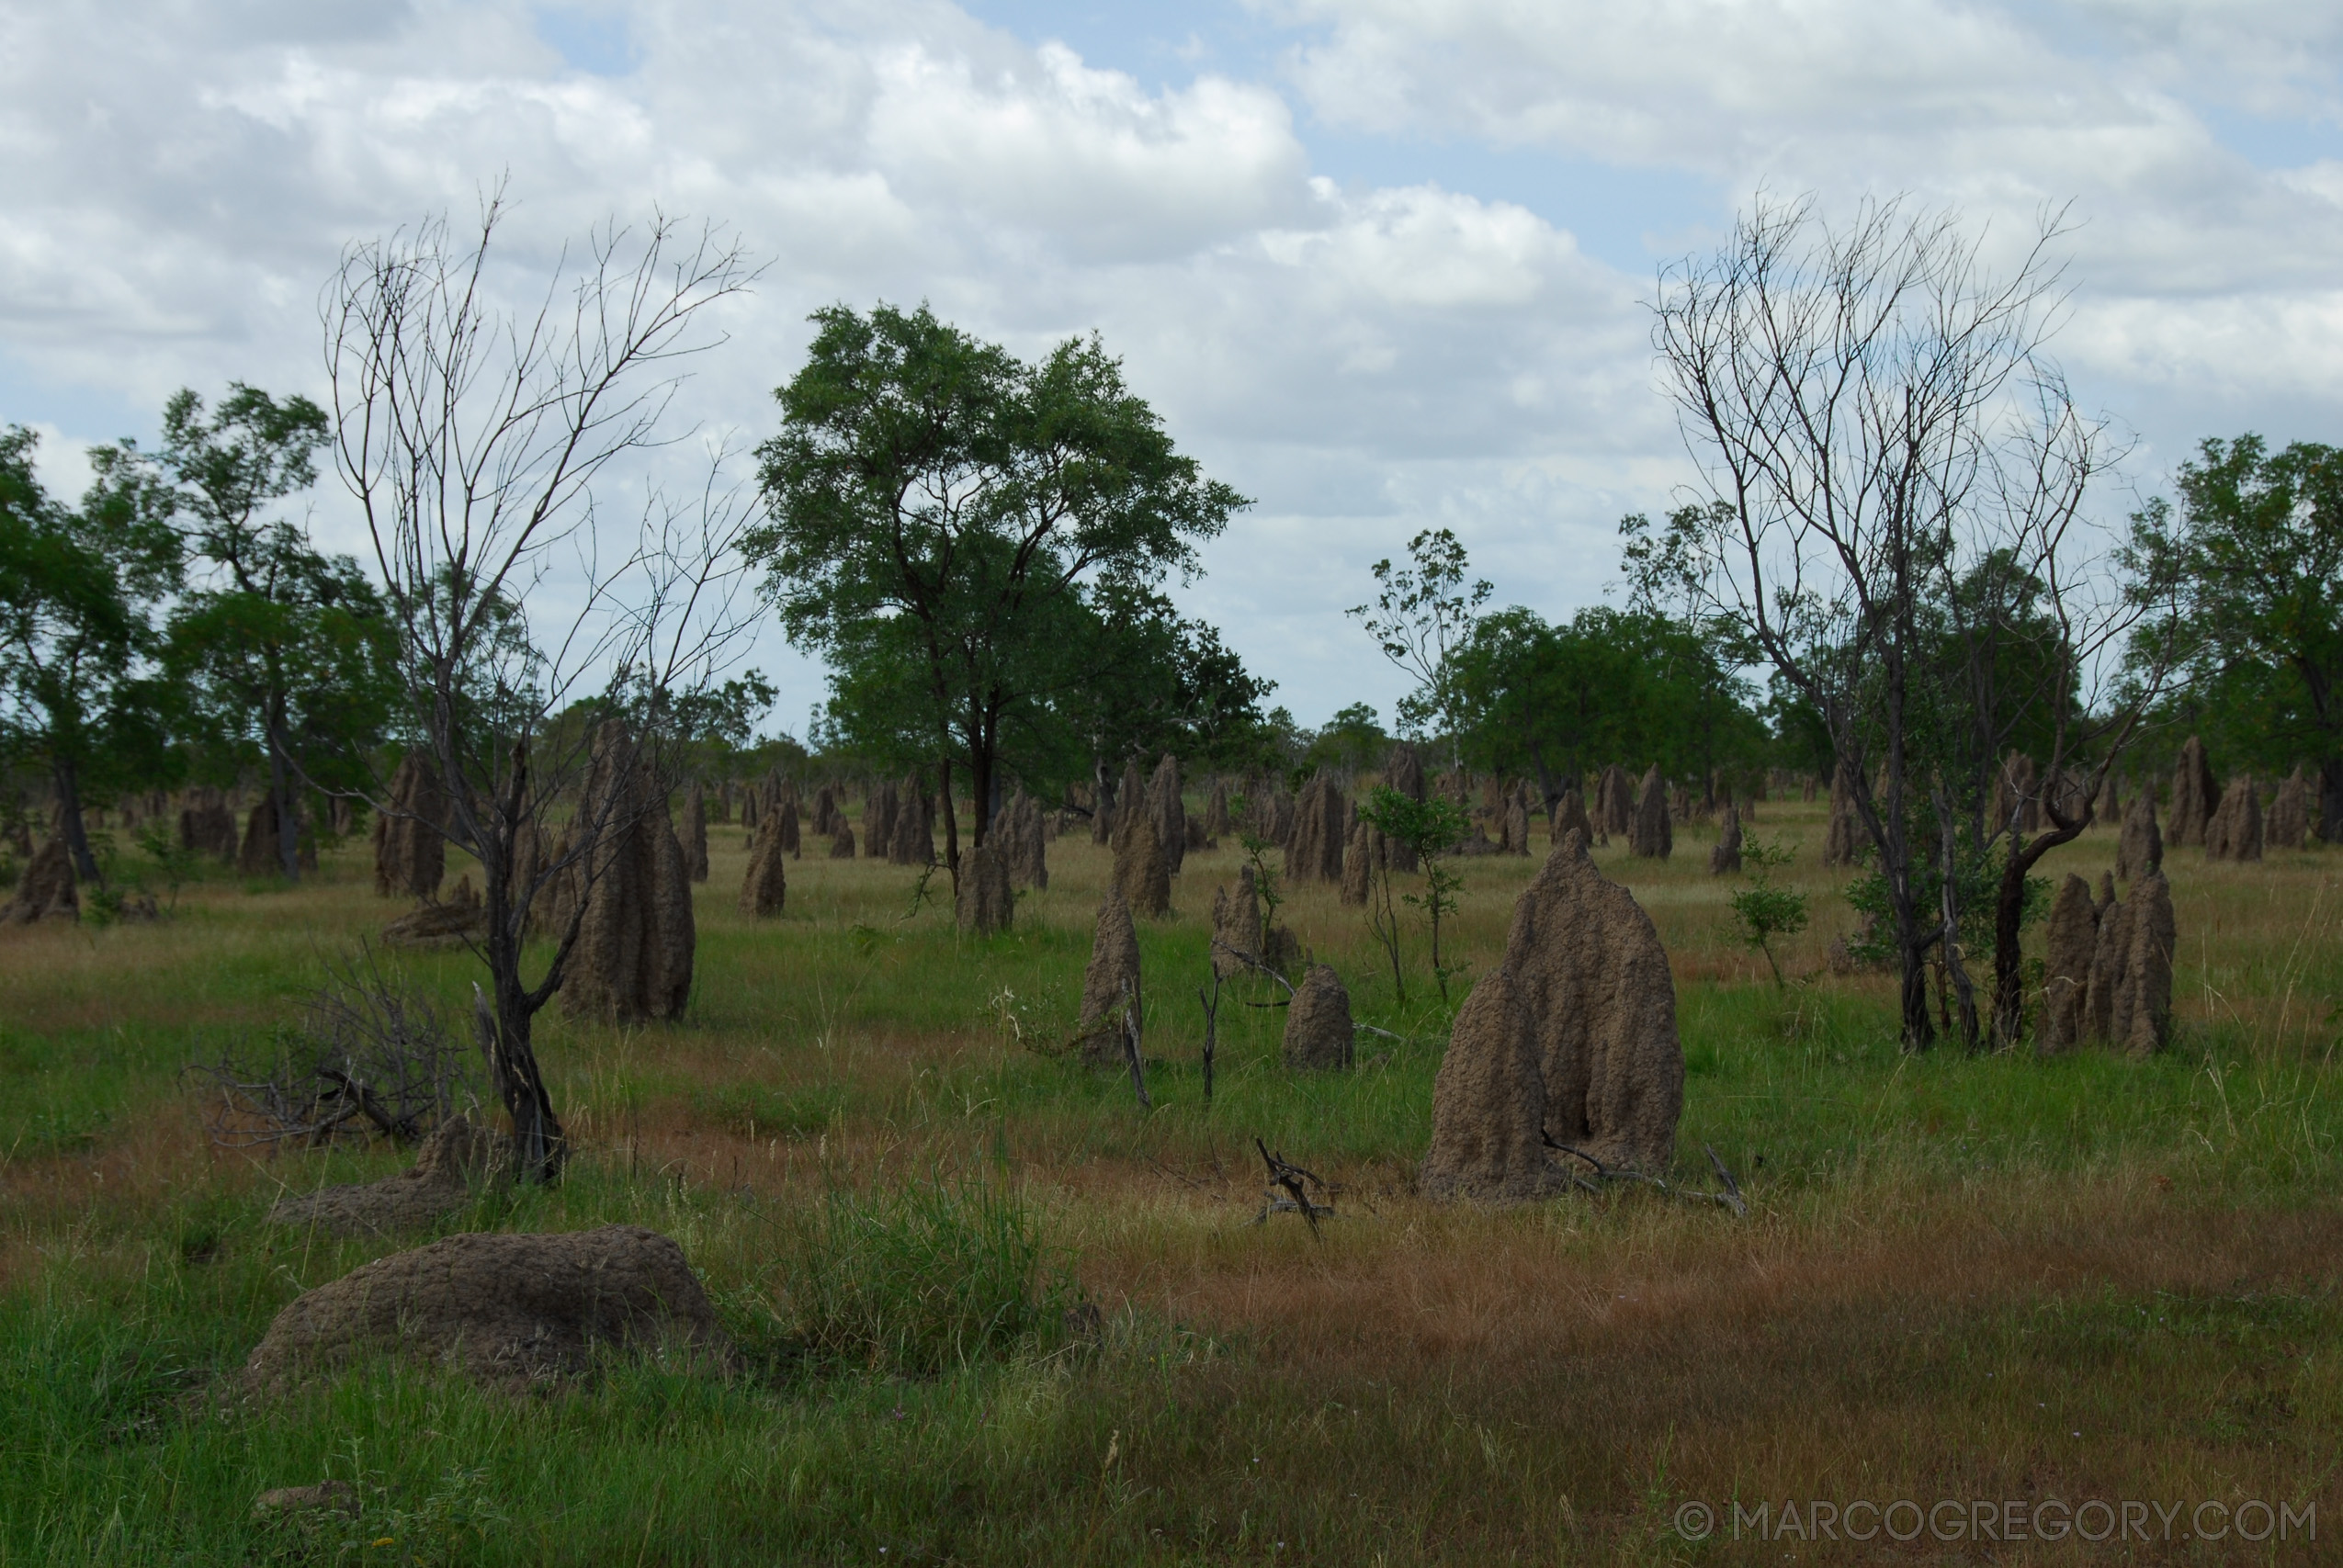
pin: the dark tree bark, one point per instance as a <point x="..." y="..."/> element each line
<point x="66" y="779"/>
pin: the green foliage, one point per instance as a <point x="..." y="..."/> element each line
<point x="78" y="592"/>
<point x="1352" y="740"/>
<point x="452" y="1522"/>
<point x="720" y="718"/>
<point x="951" y="528"/>
<point x="1536" y="698"/>
<point x="1432" y="827"/>
<point x="1764" y="908"/>
<point x="1423" y="613"/>
<point x="284" y="654"/>
<point x="1976" y="893"/>
<point x="1259" y="854"/>
<point x="919" y="1281"/>
<point x="2255" y="556"/>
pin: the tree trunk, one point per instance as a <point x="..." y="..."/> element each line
<point x="1956" y="969"/>
<point x="981" y="786"/>
<point x="289" y="826"/>
<point x="539" y="1147"/>
<point x="1918" y="1029"/>
<point x="2330" y="800"/>
<point x="67" y="779"/>
<point x="2008" y="912"/>
<point x="951" y="827"/>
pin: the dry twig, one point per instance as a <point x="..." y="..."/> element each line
<point x="1730" y="1199"/>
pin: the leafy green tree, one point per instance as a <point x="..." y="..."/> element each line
<point x="1423" y="613"/>
<point x="286" y="655"/>
<point x="1352" y="740"/>
<point x="2256" y="557"/>
<point x="1764" y="908"/>
<point x="1432" y="827"/>
<point x="1133" y="677"/>
<point x="1561" y="700"/>
<point x="79" y="588"/>
<point x="940" y="514"/>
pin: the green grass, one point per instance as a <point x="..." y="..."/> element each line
<point x="868" y="1138"/>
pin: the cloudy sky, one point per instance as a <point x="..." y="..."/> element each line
<point x="1379" y="264"/>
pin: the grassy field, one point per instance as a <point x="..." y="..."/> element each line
<point x="1963" y="1280"/>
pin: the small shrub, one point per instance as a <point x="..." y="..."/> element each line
<point x="1765" y="909"/>
<point x="372" y="1055"/>
<point x="920" y="1281"/>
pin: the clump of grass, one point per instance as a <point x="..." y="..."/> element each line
<point x="920" y="1281"/>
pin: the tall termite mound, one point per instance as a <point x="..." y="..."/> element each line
<point x="1572" y="1035"/>
<point x="1321" y="824"/>
<point x="1842" y="839"/>
<point x="1403" y="773"/>
<point x="45" y="888"/>
<point x="206" y="825"/>
<point x="2289" y="821"/>
<point x="1652" y="837"/>
<point x="1513" y="822"/>
<point x="1725" y="855"/>
<point x="2128" y="1002"/>
<point x="2234" y="831"/>
<point x="785" y="820"/>
<point x="985" y="903"/>
<point x="1361" y="857"/>
<point x="766" y="889"/>
<point x="262" y="852"/>
<point x="695" y="831"/>
<point x="1141" y="872"/>
<point x="1110" y="982"/>
<point x="1236" y="926"/>
<point x="410" y="855"/>
<point x="2139" y="847"/>
<point x="1024" y="840"/>
<point x="1569" y="816"/>
<point x="636" y="939"/>
<point x="1614" y="800"/>
<point x="2193" y="794"/>
<point x="912" y="841"/>
<point x="2074" y="938"/>
<point x="1171" y="817"/>
<point x="1215" y="811"/>
<point x="879" y="806"/>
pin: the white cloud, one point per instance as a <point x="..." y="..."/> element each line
<point x="1366" y="358"/>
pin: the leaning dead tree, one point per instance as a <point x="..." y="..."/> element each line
<point x="486" y="443"/>
<point x="2051" y="651"/>
<point x="1873" y="415"/>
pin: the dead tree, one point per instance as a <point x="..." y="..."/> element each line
<point x="1857" y="397"/>
<point x="483" y="441"/>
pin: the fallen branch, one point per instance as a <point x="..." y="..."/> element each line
<point x="1730" y="1199"/>
<point x="1253" y="961"/>
<point x="1288" y="1178"/>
